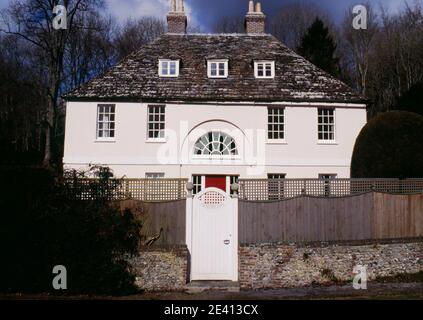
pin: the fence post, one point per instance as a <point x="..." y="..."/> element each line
<point x="189" y="215"/>
<point x="235" y="189"/>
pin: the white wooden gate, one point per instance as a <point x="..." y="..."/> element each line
<point x="214" y="236"/>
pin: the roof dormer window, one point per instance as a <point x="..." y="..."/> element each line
<point x="168" y="68"/>
<point x="217" y="68"/>
<point x="264" y="69"/>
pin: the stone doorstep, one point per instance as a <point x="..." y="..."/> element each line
<point x="202" y="286"/>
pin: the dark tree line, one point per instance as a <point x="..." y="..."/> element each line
<point x="38" y="64"/>
<point x="383" y="62"/>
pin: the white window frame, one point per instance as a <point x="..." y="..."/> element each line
<point x="154" y="122"/>
<point x="333" y="131"/>
<point x="235" y="156"/>
<point x="327" y="178"/>
<point x="154" y="175"/>
<point x="109" y="122"/>
<point x="217" y="62"/>
<point x="269" y="123"/>
<point x="168" y="75"/>
<point x="264" y="63"/>
<point x="197" y="181"/>
<point x="279" y="193"/>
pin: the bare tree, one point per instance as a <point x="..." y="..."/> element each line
<point x="136" y="33"/>
<point x="90" y="51"/>
<point x="360" y="43"/>
<point x="291" y="22"/>
<point x="396" y="62"/>
<point x="32" y="20"/>
<point x="230" y="24"/>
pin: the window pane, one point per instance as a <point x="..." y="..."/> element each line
<point x="165" y="68"/>
<point x="172" y="68"/>
<point x="156" y="122"/>
<point x="213" y="67"/>
<point x="275" y="123"/>
<point x="260" y="70"/>
<point x="216" y="144"/>
<point x="221" y="69"/>
<point x="326" y="124"/>
<point x="106" y="121"/>
<point x="268" y="70"/>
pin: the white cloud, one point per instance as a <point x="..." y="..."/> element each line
<point x="141" y="8"/>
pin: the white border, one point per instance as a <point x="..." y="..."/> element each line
<point x="225" y="61"/>
<point x="168" y="75"/>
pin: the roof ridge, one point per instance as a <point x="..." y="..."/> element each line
<point x="221" y="34"/>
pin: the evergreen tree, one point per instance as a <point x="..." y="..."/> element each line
<point x="318" y="47"/>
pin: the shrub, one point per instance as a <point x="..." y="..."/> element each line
<point x="43" y="227"/>
<point x="390" y="146"/>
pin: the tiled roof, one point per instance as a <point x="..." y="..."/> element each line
<point x="136" y="77"/>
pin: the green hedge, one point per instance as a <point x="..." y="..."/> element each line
<point x="390" y="146"/>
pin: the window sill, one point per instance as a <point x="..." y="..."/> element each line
<point x="173" y="76"/>
<point x="155" y="141"/>
<point x="329" y="143"/>
<point x="105" y="141"/>
<point x="283" y="142"/>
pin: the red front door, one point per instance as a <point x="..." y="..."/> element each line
<point x="216" y="182"/>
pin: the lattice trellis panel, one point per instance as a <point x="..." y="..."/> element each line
<point x="279" y="189"/>
<point x="137" y="189"/>
<point x="212" y="199"/>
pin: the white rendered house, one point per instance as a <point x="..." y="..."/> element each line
<point x="213" y="108"/>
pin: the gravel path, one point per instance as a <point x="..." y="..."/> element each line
<point x="374" y="291"/>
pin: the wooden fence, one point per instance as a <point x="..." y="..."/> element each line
<point x="369" y="216"/>
<point x="169" y="216"/>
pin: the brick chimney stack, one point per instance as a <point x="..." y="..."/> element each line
<point x="177" y="21"/>
<point x="255" y="20"/>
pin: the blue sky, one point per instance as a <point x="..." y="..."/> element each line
<point x="205" y="12"/>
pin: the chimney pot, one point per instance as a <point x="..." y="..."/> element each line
<point x="181" y="6"/>
<point x="251" y="7"/>
<point x="258" y="7"/>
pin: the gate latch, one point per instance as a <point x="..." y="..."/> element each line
<point x="226" y="242"/>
